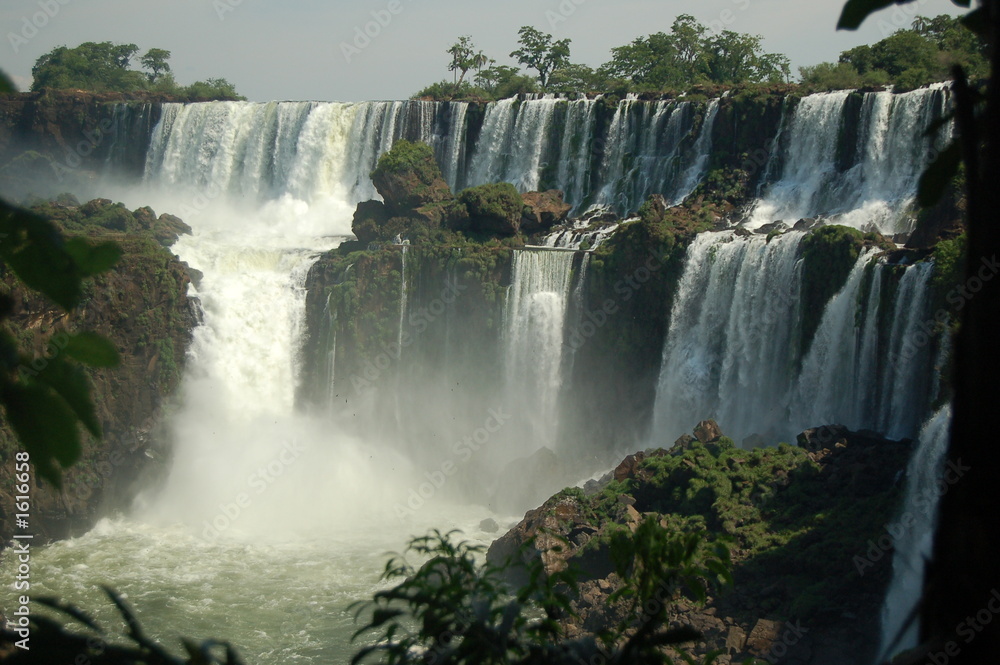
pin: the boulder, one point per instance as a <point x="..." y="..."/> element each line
<point x="736" y="640"/>
<point x="628" y="466"/>
<point x="369" y="218"/>
<point x="167" y="228"/>
<point x="707" y="431"/>
<point x="543" y="210"/>
<point x="654" y="209"/>
<point x="763" y="636"/>
<point x="407" y="177"/>
<point x="773" y="227"/>
<point x="825" y="437"/>
<point x="683" y="442"/>
<point x="489" y="525"/>
<point x="493" y="209"/>
<point x="145" y="217"/>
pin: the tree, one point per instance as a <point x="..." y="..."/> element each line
<point x="923" y="53"/>
<point x="95" y="66"/>
<point x="540" y="53"/>
<point x="492" y="76"/>
<point x="106" y="67"/>
<point x="651" y="61"/>
<point x="454" y="610"/>
<point x="738" y="58"/>
<point x="215" y="88"/>
<point x="576" y="78"/>
<point x="464" y="57"/>
<point x="689" y="55"/>
<point x="155" y="61"/>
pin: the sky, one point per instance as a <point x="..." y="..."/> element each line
<point x="334" y="50"/>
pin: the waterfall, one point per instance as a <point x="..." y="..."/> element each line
<point x="238" y="411"/>
<point x="913" y="536"/>
<point x="868" y="184"/>
<point x="730" y="348"/>
<point x="906" y="384"/>
<point x="312" y="150"/>
<point x="512" y="143"/>
<point x="534" y="324"/>
<point x="454" y="148"/>
<point x="131" y="128"/>
<point x="828" y="389"/>
<point x="732" y="352"/>
<point x="644" y="153"/>
<point x="702" y="151"/>
<point x="403" y="289"/>
<point x="573" y="172"/>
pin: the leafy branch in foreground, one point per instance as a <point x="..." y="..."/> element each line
<point x="44" y="399"/>
<point x="454" y="610"/>
<point x="53" y="643"/>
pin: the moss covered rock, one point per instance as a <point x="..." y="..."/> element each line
<point x="543" y="210"/>
<point x="797" y="520"/>
<point x="493" y="209"/>
<point x="407" y="177"/>
<point x="141" y="306"/>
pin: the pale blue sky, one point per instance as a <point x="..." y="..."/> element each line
<point x="293" y="49"/>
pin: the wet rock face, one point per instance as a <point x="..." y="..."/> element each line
<point x="141" y="306"/>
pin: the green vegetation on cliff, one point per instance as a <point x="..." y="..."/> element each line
<point x="107" y="67"/>
<point x="908" y="58"/>
<point x="800" y="521"/>
<point x="141" y="308"/>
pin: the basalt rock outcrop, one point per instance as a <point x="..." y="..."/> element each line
<point x="796" y="517"/>
<point x="141" y="306"/>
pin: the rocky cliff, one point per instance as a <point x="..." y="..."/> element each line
<point x="141" y="305"/>
<point x="56" y="141"/>
<point x="798" y="519"/>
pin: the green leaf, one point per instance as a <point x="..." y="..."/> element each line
<point x="92" y="349"/>
<point x="93" y="259"/>
<point x="45" y="425"/>
<point x="33" y="248"/>
<point x="938" y="175"/>
<point x="978" y="22"/>
<point x="6" y="85"/>
<point x="856" y="11"/>
<point x="70" y="383"/>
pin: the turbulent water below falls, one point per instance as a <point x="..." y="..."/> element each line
<point x="278" y="601"/>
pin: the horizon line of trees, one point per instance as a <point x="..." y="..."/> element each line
<point x="107" y="67"/>
<point x="691" y="54"/>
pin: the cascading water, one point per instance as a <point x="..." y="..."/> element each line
<point x="913" y="536"/>
<point x="732" y="350"/>
<point x="534" y="325"/>
<point x="702" y="151"/>
<point x="868" y="184"/>
<point x="254" y="484"/>
<point x="828" y="389"/>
